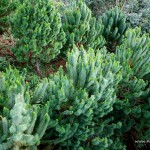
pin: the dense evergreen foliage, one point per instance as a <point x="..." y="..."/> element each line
<point x="81" y="28"/>
<point x="115" y="25"/>
<point x="134" y="57"/>
<point x="78" y="94"/>
<point x="137" y="11"/>
<point x="21" y="125"/>
<point x="36" y="26"/>
<point x="96" y="93"/>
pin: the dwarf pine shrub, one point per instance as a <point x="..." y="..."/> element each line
<point x="36" y="26"/>
<point x="83" y="96"/>
<point x="81" y="28"/>
<point x="115" y="25"/>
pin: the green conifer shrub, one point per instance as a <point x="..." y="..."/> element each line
<point x="20" y="128"/>
<point x="80" y="99"/>
<point x="6" y="7"/>
<point x="11" y="84"/>
<point x="21" y="125"/>
<point x="36" y="26"/>
<point x="134" y="57"/>
<point x="81" y="28"/>
<point x="115" y="26"/>
<point x="100" y="97"/>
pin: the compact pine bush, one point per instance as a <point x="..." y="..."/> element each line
<point x="36" y="26"/>
<point x="11" y="84"/>
<point x="80" y="99"/>
<point x="6" y="7"/>
<point x="115" y="25"/>
<point x="81" y="28"/>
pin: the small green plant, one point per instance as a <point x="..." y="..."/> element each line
<point x="115" y="25"/>
<point x="98" y="100"/>
<point x="81" y="28"/>
<point x="36" y="26"/>
<point x="21" y="125"/>
<point x="11" y="84"/>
